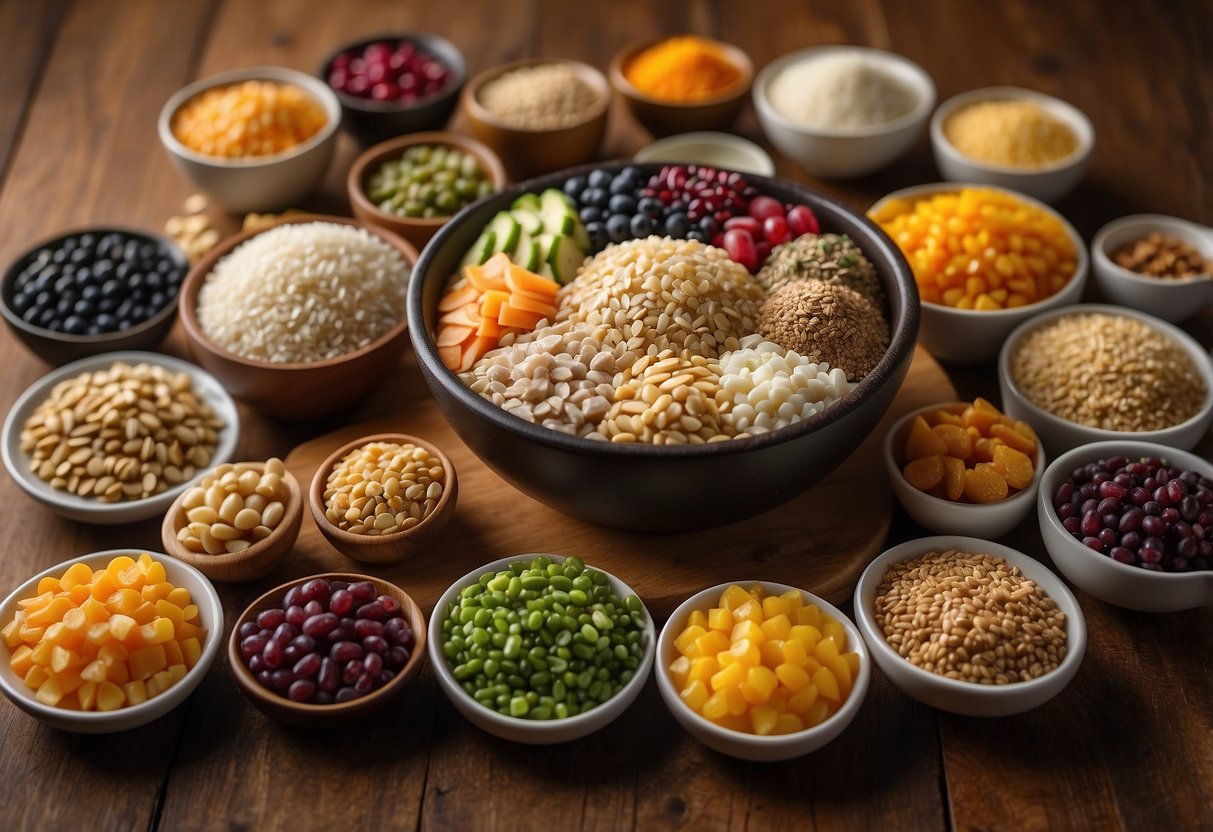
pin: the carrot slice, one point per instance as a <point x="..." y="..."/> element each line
<point x="451" y="356"/>
<point x="512" y="316"/>
<point x="466" y="315"/>
<point x="490" y="302"/>
<point x="519" y="279"/>
<point x="452" y="334"/>
<point x="475" y="350"/>
<point x="456" y="298"/>
<point x="489" y="328"/>
<point x="527" y="302"/>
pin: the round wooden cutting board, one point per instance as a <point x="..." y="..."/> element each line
<point x="819" y="541"/>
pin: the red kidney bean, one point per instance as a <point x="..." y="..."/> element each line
<point x="351" y="672"/>
<point x="252" y="645"/>
<point x="329" y="675"/>
<point x="390" y="605"/>
<point x="301" y="690"/>
<point x="362" y="591"/>
<point x="364" y="684"/>
<point x="320" y="624"/>
<point x="364" y="627"/>
<point x="375" y="644"/>
<point x="295" y="615"/>
<point x="396" y="658"/>
<point x="341" y="602"/>
<point x="345" y="695"/>
<point x="293" y="598"/>
<point x="282" y="679"/>
<point x="373" y="610"/>
<point x="307" y="666"/>
<point x="274" y="654"/>
<point x="271" y="618"/>
<point x="373" y="663"/>
<point x="345" y="651"/>
<point x="317" y="590"/>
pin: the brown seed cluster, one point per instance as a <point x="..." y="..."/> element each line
<point x="830" y="258"/>
<point x="1162" y="255"/>
<point x="827" y="322"/>
<point x="233" y="507"/>
<point x="667" y="400"/>
<point x="383" y="488"/>
<point x="123" y="433"/>
<point x="971" y="617"/>
<point x="1108" y="371"/>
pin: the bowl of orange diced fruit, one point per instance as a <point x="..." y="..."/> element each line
<point x="964" y="468"/>
<point x="108" y="641"/>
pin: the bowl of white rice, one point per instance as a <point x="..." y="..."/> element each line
<point x="843" y="111"/>
<point x="303" y="318"/>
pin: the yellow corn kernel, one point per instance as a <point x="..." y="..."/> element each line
<point x="749" y="611"/>
<point x="113" y="652"/>
<point x="76" y="574"/>
<point x="153" y="571"/>
<point x="121" y="626"/>
<point x="763" y="719"/>
<point x="725" y="658"/>
<point x="687" y="636"/>
<point x="162" y="682"/>
<point x="697" y="618"/>
<point x="21" y="660"/>
<point x="817" y="713"/>
<point x="777" y="626"/>
<point x="188" y="630"/>
<point x="791" y="677"/>
<point x="760" y="682"/>
<point x="720" y="619"/>
<point x="809" y="614"/>
<point x="48" y="614"/>
<point x="694" y="695"/>
<point x="50" y="692"/>
<point x="136" y="692"/>
<point x="680" y="668"/>
<point x="12" y="632"/>
<point x="177" y="671"/>
<point x="746" y="653"/>
<point x="94" y="671"/>
<point x="772" y="651"/>
<point x="42" y="653"/>
<point x="179" y="596"/>
<point x="735" y="701"/>
<point x="118" y="673"/>
<point x="708" y="644"/>
<point x="827" y="685"/>
<point x="728" y="677"/>
<point x="46" y="585"/>
<point x="147" y="662"/>
<point x="703" y="669"/>
<point x="794" y="653"/>
<point x="104" y="585"/>
<point x="806" y="634"/>
<point x="110" y="697"/>
<point x="62" y="659"/>
<point x="94" y="611"/>
<point x="36" y="676"/>
<point x="156" y="592"/>
<point x="775" y="605"/>
<point x="125" y="601"/>
<point x="835" y="630"/>
<point x="171" y="612"/>
<point x="788" y="723"/>
<point x="191" y="649"/>
<point x="98" y="634"/>
<point x="75" y="619"/>
<point x="190" y="611"/>
<point x="145" y="613"/>
<point x="733" y="597"/>
<point x="715" y="706"/>
<point x="802" y="700"/>
<point x="87" y="696"/>
<point x="826" y="650"/>
<point x="748" y="630"/>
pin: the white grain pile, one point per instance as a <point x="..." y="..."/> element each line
<point x="765" y="387"/>
<point x="303" y="292"/>
<point x="839" y="91"/>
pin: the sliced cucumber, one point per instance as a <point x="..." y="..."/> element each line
<point x="564" y="258"/>
<point x="530" y="220"/>
<point x="507" y="230"/>
<point x="559" y="215"/>
<point x="530" y="202"/>
<point x="528" y="253"/>
<point x="482" y="249"/>
<point x="580" y="236"/>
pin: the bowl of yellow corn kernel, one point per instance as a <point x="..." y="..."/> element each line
<point x="255" y="139"/>
<point x="761" y="671"/>
<point x="985" y="259"/>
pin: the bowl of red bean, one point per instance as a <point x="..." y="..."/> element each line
<point x="389" y="85"/>
<point x="91" y="291"/>
<point x="327" y="649"/>
<point x="1131" y="523"/>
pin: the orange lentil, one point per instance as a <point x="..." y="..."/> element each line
<point x="252" y="118"/>
<point x="980" y="249"/>
<point x="682" y="69"/>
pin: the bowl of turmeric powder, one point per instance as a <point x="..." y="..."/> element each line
<point x="682" y="83"/>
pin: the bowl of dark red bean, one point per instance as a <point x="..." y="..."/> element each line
<point x="1131" y="523"/>
<point x="327" y="649"/>
<point x="395" y="84"/>
<point x="91" y="291"/>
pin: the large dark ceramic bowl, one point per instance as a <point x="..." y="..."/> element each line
<point x="664" y="487"/>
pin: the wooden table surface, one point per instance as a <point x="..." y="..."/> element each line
<point x="1128" y="745"/>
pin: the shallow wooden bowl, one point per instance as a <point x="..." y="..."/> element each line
<point x="302" y="390"/>
<point x="279" y="707"/>
<point x="662" y="117"/>
<point x="252" y="563"/>
<point x="386" y="548"/>
<point x="417" y="230"/>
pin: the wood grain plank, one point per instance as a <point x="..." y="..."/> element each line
<point x="21" y="65"/>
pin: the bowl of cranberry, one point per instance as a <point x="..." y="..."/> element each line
<point x="390" y="85"/>
<point x="1131" y="523"/>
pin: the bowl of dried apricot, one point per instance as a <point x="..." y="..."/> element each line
<point x="961" y="468"/>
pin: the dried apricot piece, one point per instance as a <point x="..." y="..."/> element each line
<point x="984" y="485"/>
<point x="924" y="474"/>
<point x="983" y="450"/>
<point x="953" y="478"/>
<point x="980" y="418"/>
<point x="1014" y="466"/>
<point x="922" y="441"/>
<point x="1014" y="438"/>
<point x="946" y="417"/>
<point x="957" y="441"/>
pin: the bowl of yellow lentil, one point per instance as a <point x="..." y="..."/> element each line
<point x="255" y="139"/>
<point x="1012" y="138"/>
<point x="985" y="259"/>
<point x="970" y="626"/>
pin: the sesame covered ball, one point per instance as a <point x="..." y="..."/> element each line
<point x="827" y="322"/>
<point x="832" y="258"/>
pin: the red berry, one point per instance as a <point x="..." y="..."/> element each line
<point x="718" y="239"/>
<point x="385" y="91"/>
<point x="775" y="230"/>
<point x="764" y="251"/>
<point x="745" y="223"/>
<point x="740" y="246"/>
<point x="802" y="220"/>
<point x="765" y="206"/>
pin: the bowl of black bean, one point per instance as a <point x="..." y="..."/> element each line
<point x="91" y="291"/>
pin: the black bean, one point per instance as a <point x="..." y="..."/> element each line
<point x="622" y="204"/>
<point x="618" y="228"/>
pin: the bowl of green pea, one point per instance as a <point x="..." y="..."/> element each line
<point x="540" y="649"/>
<point x="411" y="185"/>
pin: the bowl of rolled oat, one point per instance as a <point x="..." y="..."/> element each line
<point x="1093" y="373"/>
<point x="654" y="382"/>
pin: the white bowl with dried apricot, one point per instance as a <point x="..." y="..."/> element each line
<point x="761" y="671"/>
<point x="108" y="641"/>
<point x="961" y="468"/>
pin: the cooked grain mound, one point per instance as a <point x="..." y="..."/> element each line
<point x="833" y="258"/>
<point x="827" y="322"/>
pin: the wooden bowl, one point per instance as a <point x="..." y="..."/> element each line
<point x="531" y="152"/>
<point x="258" y="560"/>
<point x="279" y="707"/>
<point x="387" y="548"/>
<point x="662" y="117"/>
<point x="417" y="230"/>
<point x="303" y="390"/>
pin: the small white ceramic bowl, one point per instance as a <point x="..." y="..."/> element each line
<point x="945" y="516"/>
<point x="967" y="337"/>
<point x="84" y="510"/>
<point x="720" y="150"/>
<point x="210" y="612"/>
<point x="255" y="183"/>
<point x="1060" y="435"/>
<point x="1047" y="183"/>
<point x="753" y="746"/>
<point x="530" y="731"/>
<point x="1097" y="574"/>
<point x="954" y="695"/>
<point x="843" y="154"/>
<point x="1170" y="299"/>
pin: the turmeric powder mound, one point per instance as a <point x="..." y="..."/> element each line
<point x="682" y="70"/>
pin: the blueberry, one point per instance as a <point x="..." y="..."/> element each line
<point x="21" y="302"/>
<point x="106" y="322"/>
<point x="622" y="204"/>
<point x="678" y="206"/>
<point x="677" y="224"/>
<point x="621" y="184"/>
<point x="591" y="213"/>
<point x="641" y="226"/>
<point x="595" y="196"/>
<point x="650" y="205"/>
<point x="599" y="179"/>
<point x="74" y="325"/>
<point x="598" y="235"/>
<point x="699" y="235"/>
<point x="574" y="185"/>
<point x="618" y="228"/>
<point x="632" y="174"/>
<point x="709" y="226"/>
